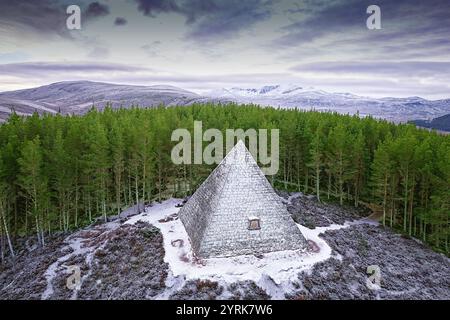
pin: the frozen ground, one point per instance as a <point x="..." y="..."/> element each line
<point x="307" y="211"/>
<point x="273" y="272"/>
<point x="149" y="257"/>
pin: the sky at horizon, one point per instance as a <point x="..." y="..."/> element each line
<point x="201" y="45"/>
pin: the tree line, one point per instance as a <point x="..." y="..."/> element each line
<point x="59" y="173"/>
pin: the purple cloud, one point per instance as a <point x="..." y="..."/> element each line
<point x="96" y="9"/>
<point x="213" y="19"/>
<point x="120" y="21"/>
<point x="154" y="7"/>
<point x="401" y="20"/>
<point x="45" y="17"/>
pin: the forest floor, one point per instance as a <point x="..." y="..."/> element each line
<point x="148" y="256"/>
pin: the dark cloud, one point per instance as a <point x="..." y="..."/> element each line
<point x="96" y="9"/>
<point x="120" y="21"/>
<point x="223" y="19"/>
<point x="45" y="17"/>
<point x="197" y="9"/>
<point x="400" y="19"/>
<point x="213" y="19"/>
<point x="319" y="20"/>
<point x="154" y="7"/>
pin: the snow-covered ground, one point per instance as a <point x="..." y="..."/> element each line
<point x="274" y="272"/>
<point x="76" y="247"/>
<point x="152" y="259"/>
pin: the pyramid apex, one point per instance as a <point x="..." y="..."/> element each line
<point x="240" y="144"/>
<point x="239" y="147"/>
<point x="238" y="154"/>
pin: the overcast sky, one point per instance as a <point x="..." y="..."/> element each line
<point x="204" y="44"/>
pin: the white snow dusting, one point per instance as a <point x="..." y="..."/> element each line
<point x="274" y="272"/>
<point x="76" y="246"/>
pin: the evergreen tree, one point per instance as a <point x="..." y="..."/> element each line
<point x="34" y="184"/>
<point x="59" y="173"/>
<point x="118" y="162"/>
<point x="4" y="221"/>
<point x="316" y="154"/>
<point x="381" y="173"/>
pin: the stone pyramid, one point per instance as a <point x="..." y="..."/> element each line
<point x="235" y="211"/>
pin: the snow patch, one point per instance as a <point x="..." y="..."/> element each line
<point x="274" y="272"/>
<point x="76" y="246"/>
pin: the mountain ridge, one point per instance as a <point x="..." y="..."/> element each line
<point x="77" y="97"/>
<point x="293" y="96"/>
<point x="441" y="123"/>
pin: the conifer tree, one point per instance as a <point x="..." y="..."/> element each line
<point x="4" y="221"/>
<point x="34" y="184"/>
<point x="381" y="172"/>
<point x="59" y="173"/>
<point x="316" y="154"/>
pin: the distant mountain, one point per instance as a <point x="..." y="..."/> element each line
<point x="440" y="123"/>
<point x="78" y="97"/>
<point x="290" y="96"/>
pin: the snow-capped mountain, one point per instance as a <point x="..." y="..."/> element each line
<point x="440" y="123"/>
<point x="294" y="96"/>
<point x="78" y="96"/>
<point x="266" y="91"/>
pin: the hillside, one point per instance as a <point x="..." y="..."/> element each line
<point x="294" y="96"/>
<point x="147" y="256"/>
<point x="78" y="97"/>
<point x="440" y="123"/>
